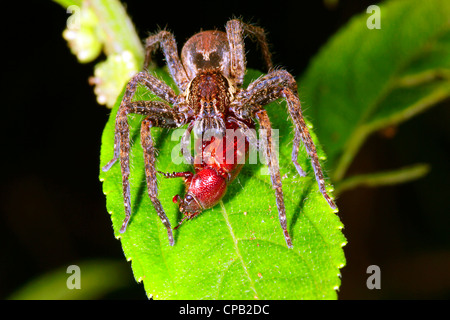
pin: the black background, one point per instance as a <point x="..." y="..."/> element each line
<point x="52" y="206"/>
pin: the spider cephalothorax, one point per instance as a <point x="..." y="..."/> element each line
<point x="214" y="106"/>
<point x="209" y="96"/>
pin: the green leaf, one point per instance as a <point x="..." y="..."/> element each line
<point x="235" y="250"/>
<point x="364" y="79"/>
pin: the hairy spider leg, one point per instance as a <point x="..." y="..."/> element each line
<point x="150" y="173"/>
<point x="281" y="84"/>
<point x="156" y="86"/>
<point x="236" y="30"/>
<point x="158" y="115"/>
<point x="248" y="132"/>
<point x="295" y="111"/>
<point x="294" y="156"/>
<point x="185" y="144"/>
<point x="272" y="162"/>
<point x="166" y="40"/>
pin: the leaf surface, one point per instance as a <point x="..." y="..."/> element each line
<point x="365" y="79"/>
<point x="235" y="250"/>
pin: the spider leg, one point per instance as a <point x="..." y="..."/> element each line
<point x="158" y="114"/>
<point x="185" y="144"/>
<point x="158" y="87"/>
<point x="274" y="170"/>
<point x="295" y="111"/>
<point x="274" y="85"/>
<point x="150" y="173"/>
<point x="248" y="132"/>
<point x="168" y="45"/>
<point x="235" y="32"/>
<point x="294" y="157"/>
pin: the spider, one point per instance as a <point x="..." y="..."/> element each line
<point x="210" y="76"/>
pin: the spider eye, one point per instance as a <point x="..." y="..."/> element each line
<point x="213" y="60"/>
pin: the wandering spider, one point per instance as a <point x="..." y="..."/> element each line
<point x="210" y="75"/>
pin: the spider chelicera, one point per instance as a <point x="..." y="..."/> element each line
<point x="210" y="75"/>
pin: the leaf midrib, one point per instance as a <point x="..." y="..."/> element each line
<point x="236" y="248"/>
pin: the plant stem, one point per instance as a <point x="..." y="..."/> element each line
<point x="384" y="178"/>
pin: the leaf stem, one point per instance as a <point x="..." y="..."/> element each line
<point x="361" y="133"/>
<point x="424" y="77"/>
<point x="119" y="30"/>
<point x="386" y="178"/>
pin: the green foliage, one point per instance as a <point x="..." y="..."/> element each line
<point x="364" y="79"/>
<point x="237" y="249"/>
<point x="97" y="278"/>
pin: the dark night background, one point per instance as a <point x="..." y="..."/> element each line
<point x="53" y="210"/>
